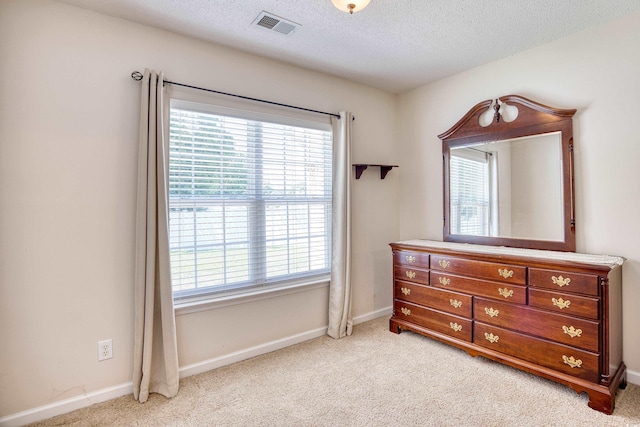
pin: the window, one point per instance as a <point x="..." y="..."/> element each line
<point x="470" y="192"/>
<point x="249" y="200"/>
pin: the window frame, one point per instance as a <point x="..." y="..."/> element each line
<point x="288" y="283"/>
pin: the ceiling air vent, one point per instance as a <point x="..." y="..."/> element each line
<point x="275" y="23"/>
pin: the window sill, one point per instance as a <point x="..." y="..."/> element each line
<point x="203" y="303"/>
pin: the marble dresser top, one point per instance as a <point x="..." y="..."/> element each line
<point x="608" y="260"/>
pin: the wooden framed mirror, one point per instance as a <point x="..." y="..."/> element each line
<point x="508" y="176"/>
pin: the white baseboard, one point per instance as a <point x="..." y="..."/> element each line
<point x="238" y="356"/>
<point x="62" y="407"/>
<point x="78" y="402"/>
<point x="633" y="377"/>
<point x="373" y="315"/>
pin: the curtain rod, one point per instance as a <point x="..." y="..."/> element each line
<point x="136" y="75"/>
<point x="480" y="151"/>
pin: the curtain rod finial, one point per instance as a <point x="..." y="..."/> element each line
<point x="136" y="75"/>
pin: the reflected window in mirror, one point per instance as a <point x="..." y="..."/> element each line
<point x="470" y="192"/>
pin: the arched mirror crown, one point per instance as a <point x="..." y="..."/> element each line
<point x="508" y="176"/>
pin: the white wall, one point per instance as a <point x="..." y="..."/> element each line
<point x="503" y="152"/>
<point x="68" y="153"/>
<point x="595" y="71"/>
<point x="537" y="198"/>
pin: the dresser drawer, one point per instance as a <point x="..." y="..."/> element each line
<point x="411" y="274"/>
<point x="568" y="304"/>
<point x="484" y="288"/>
<point x="564" y="281"/>
<point x="451" y="302"/>
<point x="411" y="258"/>
<point x="578" y="363"/>
<point x="438" y="321"/>
<point x="480" y="269"/>
<point x="556" y="327"/>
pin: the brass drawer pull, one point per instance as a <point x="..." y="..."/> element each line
<point x="444" y="280"/>
<point x="560" y="281"/>
<point x="491" y="311"/>
<point x="405" y="291"/>
<point x="405" y="311"/>
<point x="411" y="274"/>
<point x="455" y="303"/>
<point x="560" y="303"/>
<point x="505" y="273"/>
<point x="455" y="327"/>
<point x="444" y="264"/>
<point x="491" y="338"/>
<point x="572" y="332"/>
<point x="505" y="292"/>
<point x="574" y="363"/>
<point x="410" y="259"/>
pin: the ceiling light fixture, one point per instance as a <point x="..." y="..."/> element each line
<point x="350" y="5"/>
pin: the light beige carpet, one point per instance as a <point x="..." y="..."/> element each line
<point x="373" y="378"/>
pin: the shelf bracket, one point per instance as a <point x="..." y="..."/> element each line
<point x="359" y="170"/>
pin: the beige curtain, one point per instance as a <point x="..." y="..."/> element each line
<point x="155" y="363"/>
<point x="340" y="320"/>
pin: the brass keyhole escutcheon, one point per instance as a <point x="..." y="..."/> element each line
<point x="505" y="273"/>
<point x="571" y="331"/>
<point x="560" y="281"/>
<point x="491" y="338"/>
<point x="505" y="292"/>
<point x="491" y="312"/>
<point x="455" y="303"/>
<point x="560" y="303"/>
<point x="571" y="361"/>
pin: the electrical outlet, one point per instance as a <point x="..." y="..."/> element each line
<point x="105" y="349"/>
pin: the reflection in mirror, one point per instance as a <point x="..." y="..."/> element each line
<point x="508" y="188"/>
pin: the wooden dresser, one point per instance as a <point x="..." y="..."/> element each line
<point x="554" y="314"/>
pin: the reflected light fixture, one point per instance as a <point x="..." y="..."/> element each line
<point x="350" y="5"/>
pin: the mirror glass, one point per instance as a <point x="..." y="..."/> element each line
<point x="510" y="188"/>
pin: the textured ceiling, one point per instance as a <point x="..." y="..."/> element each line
<point x="394" y="45"/>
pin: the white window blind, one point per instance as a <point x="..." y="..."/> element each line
<point x="469" y="193"/>
<point x="249" y="200"/>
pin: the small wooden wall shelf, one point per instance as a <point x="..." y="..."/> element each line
<point x="384" y="169"/>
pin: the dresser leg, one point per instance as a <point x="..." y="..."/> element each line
<point x="394" y="327"/>
<point x="603" y="402"/>
<point x="623" y="378"/>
